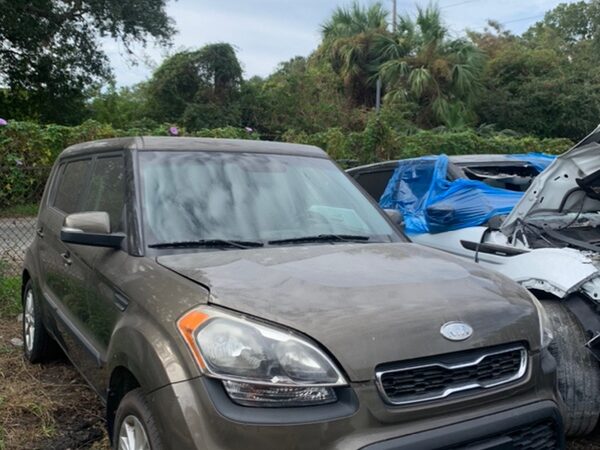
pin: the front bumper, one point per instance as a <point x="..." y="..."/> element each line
<point x="539" y="424"/>
<point x="197" y="414"/>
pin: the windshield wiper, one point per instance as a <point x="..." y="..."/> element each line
<point x="323" y="238"/>
<point x="217" y="243"/>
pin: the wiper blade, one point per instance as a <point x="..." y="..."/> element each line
<point x="323" y="238"/>
<point x="208" y="243"/>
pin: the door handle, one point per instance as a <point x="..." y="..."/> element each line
<point x="40" y="232"/>
<point x="67" y="258"/>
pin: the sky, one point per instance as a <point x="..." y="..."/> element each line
<point x="267" y="32"/>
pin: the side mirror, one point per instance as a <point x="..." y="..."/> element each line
<point x="90" y="228"/>
<point x="396" y="217"/>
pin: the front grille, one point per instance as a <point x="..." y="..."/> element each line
<point x="436" y="378"/>
<point x="542" y="435"/>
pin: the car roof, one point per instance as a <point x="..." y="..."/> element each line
<point x="153" y="143"/>
<point x="455" y="159"/>
<point x="477" y="159"/>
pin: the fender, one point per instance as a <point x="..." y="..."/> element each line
<point x="148" y="352"/>
<point x="558" y="271"/>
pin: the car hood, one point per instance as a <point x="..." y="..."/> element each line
<point x="367" y="304"/>
<point x="550" y="187"/>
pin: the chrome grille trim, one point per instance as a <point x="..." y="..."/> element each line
<point x="458" y="388"/>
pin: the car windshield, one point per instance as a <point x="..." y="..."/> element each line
<point x="200" y="197"/>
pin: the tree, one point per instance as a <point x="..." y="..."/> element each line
<point x="122" y="108"/>
<point x="493" y="39"/>
<point x="569" y="23"/>
<point x="199" y="89"/>
<point x="546" y="82"/>
<point x="349" y="38"/>
<point x="50" y="51"/>
<point x="421" y="64"/>
<point x="304" y="94"/>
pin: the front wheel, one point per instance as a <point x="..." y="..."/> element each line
<point x="577" y="371"/>
<point x="135" y="427"/>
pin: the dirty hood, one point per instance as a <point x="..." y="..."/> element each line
<point x="366" y="303"/>
<point x="550" y="187"/>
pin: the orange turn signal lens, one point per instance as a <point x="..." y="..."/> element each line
<point x="187" y="325"/>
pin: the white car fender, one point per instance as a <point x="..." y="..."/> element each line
<point x="559" y="271"/>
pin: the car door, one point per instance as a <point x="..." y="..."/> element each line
<point x="104" y="301"/>
<point x="64" y="275"/>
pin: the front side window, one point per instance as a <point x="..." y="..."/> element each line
<point x="71" y="185"/>
<point x="107" y="190"/>
<point x="192" y="196"/>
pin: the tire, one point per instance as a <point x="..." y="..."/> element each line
<point x="37" y="343"/>
<point x="133" y="411"/>
<point x="577" y="370"/>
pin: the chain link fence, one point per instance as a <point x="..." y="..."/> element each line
<point x="21" y="189"/>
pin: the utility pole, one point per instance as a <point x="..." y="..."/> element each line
<point x="378" y="96"/>
<point x="378" y="86"/>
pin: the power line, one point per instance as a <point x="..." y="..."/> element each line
<point x="458" y="4"/>
<point x="537" y="16"/>
<point x="521" y="19"/>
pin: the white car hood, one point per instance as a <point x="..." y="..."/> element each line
<point x="549" y="188"/>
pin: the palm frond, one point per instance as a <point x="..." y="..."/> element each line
<point x="394" y="71"/>
<point x="419" y="80"/>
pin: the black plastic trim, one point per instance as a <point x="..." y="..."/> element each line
<point x="585" y="311"/>
<point x="81" y="338"/>
<point x="93" y="239"/>
<point x="478" y="429"/>
<point x="493" y="249"/>
<point x="346" y="406"/>
<point x="121" y="302"/>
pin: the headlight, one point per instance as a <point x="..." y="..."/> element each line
<point x="260" y="365"/>
<point x="545" y="324"/>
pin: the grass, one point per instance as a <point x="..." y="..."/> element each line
<point x="10" y="292"/>
<point x="26" y="210"/>
<point x="42" y="406"/>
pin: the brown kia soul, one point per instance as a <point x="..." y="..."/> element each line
<point x="223" y="294"/>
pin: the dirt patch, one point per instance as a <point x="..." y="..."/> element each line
<point x="49" y="407"/>
<point x="45" y="406"/>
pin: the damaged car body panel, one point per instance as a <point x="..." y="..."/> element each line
<point x="559" y="188"/>
<point x="514" y="172"/>
<point x="557" y="271"/>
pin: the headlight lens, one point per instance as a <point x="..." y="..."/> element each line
<point x="260" y="365"/>
<point x="545" y="324"/>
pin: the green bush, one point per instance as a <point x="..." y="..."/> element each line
<point x="378" y="142"/>
<point x="469" y="142"/>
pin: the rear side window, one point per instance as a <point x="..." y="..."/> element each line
<point x="107" y="190"/>
<point x="71" y="185"/>
<point x="375" y="182"/>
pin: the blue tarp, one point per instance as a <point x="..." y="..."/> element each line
<point x="430" y="203"/>
<point x="538" y="160"/>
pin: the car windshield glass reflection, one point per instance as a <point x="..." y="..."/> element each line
<point x="209" y="196"/>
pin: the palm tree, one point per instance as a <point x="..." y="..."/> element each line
<point x="349" y="43"/>
<point x="419" y="62"/>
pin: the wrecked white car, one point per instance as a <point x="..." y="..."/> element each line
<point x="547" y="239"/>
